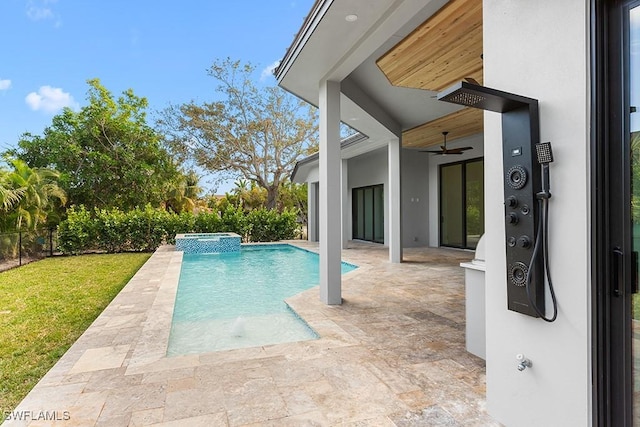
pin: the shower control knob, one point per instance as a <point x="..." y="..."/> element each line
<point x="512" y="218"/>
<point x="524" y="242"/>
<point x="512" y="201"/>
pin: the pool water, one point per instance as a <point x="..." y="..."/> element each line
<point x="235" y="300"/>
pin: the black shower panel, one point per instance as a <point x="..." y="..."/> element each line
<point x="522" y="180"/>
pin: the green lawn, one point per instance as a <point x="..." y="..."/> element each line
<point x="45" y="306"/>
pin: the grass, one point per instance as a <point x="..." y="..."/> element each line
<point x="45" y="306"/>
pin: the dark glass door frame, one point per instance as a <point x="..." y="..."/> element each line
<point x="463" y="204"/>
<point x="354" y="214"/>
<point x="611" y="216"/>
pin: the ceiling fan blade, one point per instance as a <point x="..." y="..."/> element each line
<point x="453" y="151"/>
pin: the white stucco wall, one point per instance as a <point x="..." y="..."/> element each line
<point x="540" y="49"/>
<point x="475" y="141"/>
<point x="415" y="199"/>
<point x="420" y="209"/>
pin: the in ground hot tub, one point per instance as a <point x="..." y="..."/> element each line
<point x="203" y="243"/>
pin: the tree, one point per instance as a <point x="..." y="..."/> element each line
<point x="38" y="196"/>
<point x="9" y="196"/>
<point x="258" y="133"/>
<point x="183" y="193"/>
<point x="106" y="153"/>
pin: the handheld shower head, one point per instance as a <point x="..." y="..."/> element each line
<point x="544" y="156"/>
<point x="544" y="153"/>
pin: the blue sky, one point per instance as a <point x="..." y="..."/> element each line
<point x="160" y="49"/>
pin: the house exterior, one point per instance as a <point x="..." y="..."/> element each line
<point x="572" y="68"/>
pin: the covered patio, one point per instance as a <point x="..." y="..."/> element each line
<point x="392" y="354"/>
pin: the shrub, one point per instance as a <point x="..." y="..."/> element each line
<point x="208" y="222"/>
<point x="110" y="230"/>
<point x="286" y="225"/>
<point x="178" y="224"/>
<point x="146" y="229"/>
<point x="233" y="220"/>
<point x="76" y="233"/>
<point x="269" y="225"/>
<point x="262" y="224"/>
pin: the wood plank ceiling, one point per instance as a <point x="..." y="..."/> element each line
<point x="443" y="50"/>
<point x="462" y="123"/>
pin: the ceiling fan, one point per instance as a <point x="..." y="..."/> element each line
<point x="443" y="148"/>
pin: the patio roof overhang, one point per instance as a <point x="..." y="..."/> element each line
<point x="389" y="80"/>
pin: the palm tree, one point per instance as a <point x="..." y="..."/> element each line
<point x="240" y="190"/>
<point x="39" y="192"/>
<point x="9" y="197"/>
<point x="183" y="193"/>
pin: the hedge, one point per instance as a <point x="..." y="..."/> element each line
<point x="144" y="229"/>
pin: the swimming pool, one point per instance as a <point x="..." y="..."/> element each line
<point x="235" y="300"/>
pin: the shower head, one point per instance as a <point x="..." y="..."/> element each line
<point x="543" y="153"/>
<point x="484" y="98"/>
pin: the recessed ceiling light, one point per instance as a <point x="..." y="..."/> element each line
<point x="351" y="18"/>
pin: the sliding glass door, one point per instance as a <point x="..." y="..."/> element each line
<point x="616" y="192"/>
<point x="368" y="213"/>
<point x="462" y="203"/>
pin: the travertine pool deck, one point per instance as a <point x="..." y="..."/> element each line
<point x="392" y="354"/>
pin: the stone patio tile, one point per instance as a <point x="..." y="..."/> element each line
<point x="146" y="417"/>
<point x="209" y="420"/>
<point x="50" y="398"/>
<point x="193" y="403"/>
<point x="114" y="421"/>
<point x="168" y="375"/>
<point x="111" y="379"/>
<point x="432" y="416"/>
<point x="86" y="409"/>
<point x="127" y="400"/>
<point x="125" y="320"/>
<point x="95" y="359"/>
<point x="181" y="384"/>
<point x="310" y="419"/>
<point x="253" y="400"/>
<point x="298" y="401"/>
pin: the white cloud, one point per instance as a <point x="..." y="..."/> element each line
<point x="268" y="71"/>
<point x="5" y="84"/>
<point x="50" y="100"/>
<point x="40" y="10"/>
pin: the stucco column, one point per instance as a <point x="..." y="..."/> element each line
<point x="345" y="203"/>
<point x="330" y="194"/>
<point x="395" y="201"/>
<point x="312" y="212"/>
